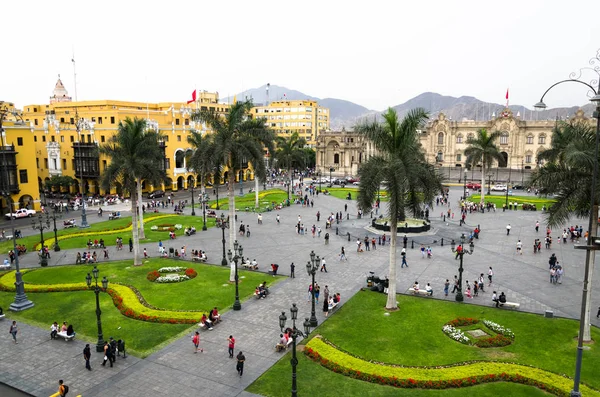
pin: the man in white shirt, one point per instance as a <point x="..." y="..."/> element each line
<point x="323" y="265"/>
<point x="519" y="247"/>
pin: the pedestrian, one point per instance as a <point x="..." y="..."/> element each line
<point x="519" y="248"/>
<point x="490" y="275"/>
<point x="403" y="254"/>
<point x="345" y="207"/>
<point x="598" y="315"/>
<point x="196" y="342"/>
<point x="455" y="288"/>
<point x="537" y="226"/>
<point x="373" y="245"/>
<point x="318" y="215"/>
<point x="130" y="245"/>
<point x="107" y="355"/>
<point x="317" y="292"/>
<point x="446" y="287"/>
<point x="422" y="251"/>
<point x="508" y="227"/>
<point x="292" y="267"/>
<point x="231" y="341"/>
<point x="240" y="363"/>
<point x="323" y="265"/>
<point x="481" y="282"/>
<point x="278" y="219"/>
<point x="13" y="331"/>
<point x="145" y="253"/>
<point x="87" y="354"/>
<point x="366" y="240"/>
<point x="62" y="388"/>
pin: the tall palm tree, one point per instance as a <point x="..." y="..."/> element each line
<point x="290" y="153"/>
<point x="402" y="169"/>
<point x="483" y="149"/>
<point x="134" y="153"/>
<point x="236" y="137"/>
<point x="266" y="141"/>
<point x="202" y="161"/>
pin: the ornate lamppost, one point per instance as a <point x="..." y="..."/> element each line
<point x="465" y="187"/>
<point x="490" y="183"/>
<point x="460" y="252"/>
<point x="204" y="202"/>
<point x="592" y="240"/>
<point x="192" y="187"/>
<point x="97" y="289"/>
<point x="311" y="268"/>
<point x="237" y="255"/>
<point x="42" y="224"/>
<point x="320" y="177"/>
<point x="223" y="224"/>
<point x="55" y="215"/>
<point x="295" y="334"/>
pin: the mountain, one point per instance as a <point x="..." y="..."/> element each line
<point x="341" y="111"/>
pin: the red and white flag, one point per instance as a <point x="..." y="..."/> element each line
<point x="507" y="97"/>
<point x="194" y="97"/>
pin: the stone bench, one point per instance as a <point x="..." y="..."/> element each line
<point x="210" y="325"/>
<point x="1" y="316"/>
<point x="65" y="336"/>
<point x="333" y="306"/>
<point x="510" y="305"/>
<point x="5" y="267"/>
<point x="249" y="266"/>
<point x="418" y="292"/>
<point x="198" y="259"/>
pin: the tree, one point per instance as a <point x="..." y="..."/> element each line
<point x="402" y="169"/>
<point x="311" y="157"/>
<point x="202" y="161"/>
<point x="266" y="141"/>
<point x="483" y="149"/>
<point x="568" y="176"/>
<point x="236" y="137"/>
<point x="290" y="153"/>
<point x="134" y="152"/>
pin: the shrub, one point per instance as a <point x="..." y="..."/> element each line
<point x="191" y="273"/>
<point x="462" y="321"/>
<point x="153" y="275"/>
<point x="493" y="341"/>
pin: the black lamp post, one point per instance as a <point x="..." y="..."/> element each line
<point x="193" y="182"/>
<point x="320" y="177"/>
<point x="55" y="215"/>
<point x="295" y="334"/>
<point x="461" y="252"/>
<point x="465" y="187"/>
<point x="204" y="202"/>
<point x="522" y="171"/>
<point x="237" y="255"/>
<point x="589" y="258"/>
<point x="311" y="268"/>
<point x="331" y="169"/>
<point x="506" y="203"/>
<point x="489" y="183"/>
<point x="41" y="224"/>
<point x="224" y="224"/>
<point x="88" y="280"/>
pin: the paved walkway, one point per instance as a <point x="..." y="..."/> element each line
<point x="36" y="364"/>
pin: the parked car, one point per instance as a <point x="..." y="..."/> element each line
<point x="499" y="188"/>
<point x="474" y="186"/>
<point x="22" y="213"/>
<point x="351" y="179"/>
<point x="518" y="187"/>
<point x="156" y="194"/>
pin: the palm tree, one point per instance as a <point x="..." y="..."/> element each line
<point x="483" y="149"/>
<point x="134" y="153"/>
<point x="290" y="153"/>
<point x="202" y="160"/>
<point x="266" y="141"/>
<point x="236" y="137"/>
<point x="401" y="167"/>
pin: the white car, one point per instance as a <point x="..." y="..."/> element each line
<point x="499" y="188"/>
<point x="22" y="213"/>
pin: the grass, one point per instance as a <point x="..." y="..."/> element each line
<point x="209" y="289"/>
<point x="500" y="200"/>
<point x="342" y="193"/>
<point x="265" y="199"/>
<point x="544" y="343"/>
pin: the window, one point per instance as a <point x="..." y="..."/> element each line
<point x="102" y="139"/>
<point x="62" y="119"/>
<point x="440" y="157"/>
<point x="529" y="139"/>
<point x="44" y="138"/>
<point x="64" y="164"/>
<point x="112" y="119"/>
<point x="166" y="138"/>
<point x="441" y="138"/>
<point x="459" y="157"/>
<point x="72" y="120"/>
<point x="528" y="158"/>
<point x="94" y="119"/>
<point x="73" y="164"/>
<point x="176" y="121"/>
<point x="72" y="139"/>
<point x="504" y="138"/>
<point x="459" y="138"/>
<point x="542" y="139"/>
<point x="99" y="120"/>
<point x="336" y="158"/>
<point x="187" y="121"/>
<point x="167" y="164"/>
<point x="37" y="162"/>
<point x="35" y="121"/>
<point x="178" y="138"/>
<point x="62" y="138"/>
<point x="54" y="164"/>
<point x="53" y="138"/>
<point x="46" y="163"/>
<point x="23" y="176"/>
<point x="103" y="165"/>
<point x="19" y="141"/>
<point x="35" y="138"/>
<point x="470" y="136"/>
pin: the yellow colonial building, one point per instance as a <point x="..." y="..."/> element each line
<point x="305" y="117"/>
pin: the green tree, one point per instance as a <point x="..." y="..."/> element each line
<point x="290" y="154"/>
<point x="483" y="150"/>
<point x="236" y="137"/>
<point x="133" y="152"/>
<point x="202" y="161"/>
<point x="402" y="169"/>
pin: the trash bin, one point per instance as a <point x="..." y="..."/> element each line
<point x="549" y="314"/>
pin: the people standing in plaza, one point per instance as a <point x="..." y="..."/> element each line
<point x="403" y="254"/>
<point x="108" y="355"/>
<point x="292" y="267"/>
<point x="422" y="251"/>
<point x="231" y="345"/>
<point x="343" y="255"/>
<point x="455" y="288"/>
<point x="278" y="219"/>
<point x="490" y="275"/>
<point x="519" y="248"/>
<point x="323" y="265"/>
<point x="508" y="227"/>
<point x="537" y="226"/>
<point x="240" y="363"/>
<point x="446" y="287"/>
<point x="196" y="342"/>
<point x="87" y="354"/>
<point x="317" y="292"/>
<point x="13" y="331"/>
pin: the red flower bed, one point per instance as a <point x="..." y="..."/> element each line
<point x="153" y="275"/>
<point x="191" y="273"/>
<point x="498" y="340"/>
<point x="462" y="321"/>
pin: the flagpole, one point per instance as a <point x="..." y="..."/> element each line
<point x="74" y="75"/>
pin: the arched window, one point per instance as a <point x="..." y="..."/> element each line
<point x="470" y="136"/>
<point x="440" y="157"/>
<point x="179" y="159"/>
<point x="336" y="158"/>
<point x="542" y="139"/>
<point x="459" y="138"/>
<point x="529" y="139"/>
<point x="504" y="138"/>
<point x="440" y="138"/>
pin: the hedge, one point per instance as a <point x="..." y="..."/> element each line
<point x="456" y="376"/>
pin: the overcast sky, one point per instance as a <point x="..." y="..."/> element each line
<point x="374" y="53"/>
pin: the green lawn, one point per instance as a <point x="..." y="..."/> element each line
<point x="544" y="343"/>
<point x="499" y="199"/>
<point x="265" y="199"/>
<point x="209" y="289"/>
<point x="342" y="192"/>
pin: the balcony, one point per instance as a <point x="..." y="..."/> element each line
<point x="87" y="160"/>
<point x="9" y="182"/>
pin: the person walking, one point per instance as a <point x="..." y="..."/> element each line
<point x="240" y="363"/>
<point x="231" y="341"/>
<point x="292" y="267"/>
<point x="343" y="255"/>
<point x="508" y="227"/>
<point x="403" y="254"/>
<point x="107" y="355"/>
<point x="130" y="245"/>
<point x="317" y="292"/>
<point x="537" y="226"/>
<point x="278" y="219"/>
<point x="422" y="251"/>
<point x="13" y="331"/>
<point x="196" y="342"/>
<point x="323" y="265"/>
<point x="87" y="354"/>
<point x="490" y="275"/>
<point x="455" y="288"/>
<point x="62" y="388"/>
<point x="446" y="287"/>
<point x="519" y="248"/>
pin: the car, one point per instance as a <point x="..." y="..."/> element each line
<point x="499" y="188"/>
<point x="22" y="213"/>
<point x="156" y="194"/>
<point x="474" y="186"/>
<point x="518" y="187"/>
<point x="356" y="183"/>
<point x="351" y="179"/>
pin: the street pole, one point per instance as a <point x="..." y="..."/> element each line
<point x="294" y="334"/>
<point x="204" y="201"/>
<point x="235" y="256"/>
<point x="461" y="252"/>
<point x="193" y="210"/>
<point x="311" y="269"/>
<point x="88" y="279"/>
<point x="465" y="188"/>
<point x="224" y="224"/>
<point x="489" y="184"/>
<point x="56" y="246"/>
<point x="43" y="255"/>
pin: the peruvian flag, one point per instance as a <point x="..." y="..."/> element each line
<point x="506" y="97"/>
<point x="194" y="97"/>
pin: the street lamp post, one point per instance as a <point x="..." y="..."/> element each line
<point x="590" y="247"/>
<point x="465" y="188"/>
<point x="97" y="289"/>
<point x="320" y="177"/>
<point x="204" y="202"/>
<point x="193" y="182"/>
<point x="235" y="256"/>
<point x="506" y="203"/>
<point x="311" y="268"/>
<point x="489" y="183"/>
<point x="460" y="252"/>
<point x="223" y="224"/>
<point x="42" y="224"/>
<point x="54" y="216"/>
<point x="295" y="334"/>
<point x="80" y="124"/>
<point x="522" y="171"/>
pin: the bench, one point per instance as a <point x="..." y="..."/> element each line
<point x="333" y="306"/>
<point x="5" y="267"/>
<point x="418" y="292"/>
<point x="198" y="259"/>
<point x="249" y="266"/>
<point x="210" y="325"/>
<point x="1" y="316"/>
<point x="65" y="336"/>
<point x="510" y="305"/>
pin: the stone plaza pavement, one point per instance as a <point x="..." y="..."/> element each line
<point x="36" y="363"/>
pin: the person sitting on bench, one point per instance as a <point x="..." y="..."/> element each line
<point x="261" y="292"/>
<point x="206" y="322"/>
<point x="502" y="298"/>
<point x="265" y="287"/>
<point x="282" y="345"/>
<point x="70" y="331"/>
<point x="254" y="264"/>
<point x="495" y="298"/>
<point x="53" y="330"/>
<point x="214" y="316"/>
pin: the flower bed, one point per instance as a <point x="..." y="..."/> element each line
<point x="493" y="341"/>
<point x="174" y="269"/>
<point x="455" y="376"/>
<point x="172" y="278"/>
<point x="456" y="334"/>
<point x="499" y="329"/>
<point x="462" y="321"/>
<point x="503" y="338"/>
<point x="155" y="275"/>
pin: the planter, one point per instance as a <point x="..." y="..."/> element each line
<point x="402" y="228"/>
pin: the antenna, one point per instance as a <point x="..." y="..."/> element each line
<point x="268" y="86"/>
<point x="74" y="75"/>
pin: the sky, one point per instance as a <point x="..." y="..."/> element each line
<point x="374" y="53"/>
